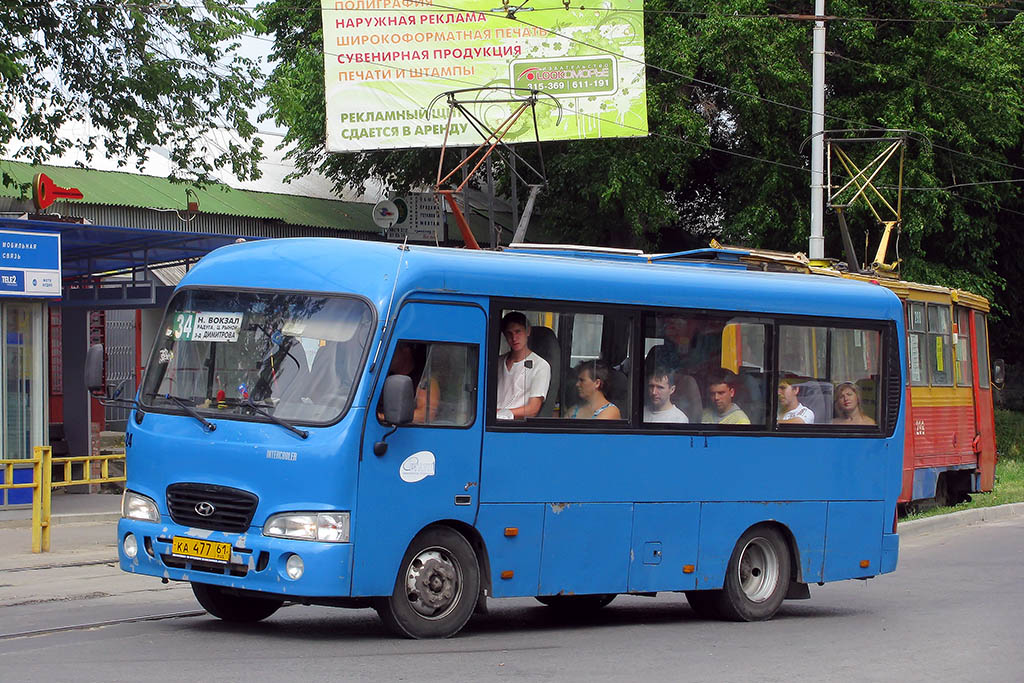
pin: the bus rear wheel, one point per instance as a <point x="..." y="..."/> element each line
<point x="576" y="604"/>
<point x="437" y="587"/>
<point x="232" y="606"/>
<point x="757" y="577"/>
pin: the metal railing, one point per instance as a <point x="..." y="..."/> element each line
<point x="42" y="484"/>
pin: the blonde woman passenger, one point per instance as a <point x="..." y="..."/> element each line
<point x="848" y="410"/>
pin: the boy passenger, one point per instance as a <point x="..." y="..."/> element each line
<point x="722" y="390"/>
<point x="791" y="411"/>
<point x="523" y="376"/>
<point x="659" y="408"/>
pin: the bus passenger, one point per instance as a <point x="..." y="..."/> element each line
<point x="691" y="346"/>
<point x="523" y="376"/>
<point x="848" y="410"/>
<point x="722" y="390"/>
<point x="659" y="408"/>
<point x="791" y="410"/>
<point x="591" y="383"/>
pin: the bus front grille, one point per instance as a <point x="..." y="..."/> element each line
<point x="208" y="506"/>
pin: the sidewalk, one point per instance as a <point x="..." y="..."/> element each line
<point x="68" y="508"/>
<point x="83" y="531"/>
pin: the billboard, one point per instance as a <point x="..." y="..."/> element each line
<point x="386" y="60"/>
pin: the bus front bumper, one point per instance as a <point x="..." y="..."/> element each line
<point x="258" y="562"/>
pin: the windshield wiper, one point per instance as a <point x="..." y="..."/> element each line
<point x="209" y="426"/>
<point x="276" y="420"/>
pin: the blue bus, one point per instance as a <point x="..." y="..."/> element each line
<point x="325" y="421"/>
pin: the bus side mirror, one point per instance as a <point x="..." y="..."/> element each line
<point x="94" y="370"/>
<point x="397" y="403"/>
<point x="998" y="372"/>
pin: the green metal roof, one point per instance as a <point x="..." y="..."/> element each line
<point x="116" y="188"/>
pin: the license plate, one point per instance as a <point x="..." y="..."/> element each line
<point x="182" y="546"/>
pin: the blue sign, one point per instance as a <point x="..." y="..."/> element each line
<point x="12" y="281"/>
<point x="29" y="264"/>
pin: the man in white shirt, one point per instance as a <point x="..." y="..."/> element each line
<point x="523" y="376"/>
<point x="791" y="411"/>
<point x="659" y="408"/>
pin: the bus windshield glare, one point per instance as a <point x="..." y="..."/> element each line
<point x="293" y="356"/>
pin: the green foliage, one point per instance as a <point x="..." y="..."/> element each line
<point x="1010" y="434"/>
<point x="1009" y="483"/>
<point x="133" y="75"/>
<point x="729" y="86"/>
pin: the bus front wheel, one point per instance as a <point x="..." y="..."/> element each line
<point x="234" y="607"/>
<point x="757" y="577"/>
<point x="437" y="586"/>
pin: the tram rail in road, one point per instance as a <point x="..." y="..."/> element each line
<point x="101" y="624"/>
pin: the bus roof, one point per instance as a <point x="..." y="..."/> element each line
<point x="369" y="269"/>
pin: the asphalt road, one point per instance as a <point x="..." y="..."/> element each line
<point x="951" y="612"/>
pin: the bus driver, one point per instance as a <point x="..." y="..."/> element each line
<point x="523" y="376"/>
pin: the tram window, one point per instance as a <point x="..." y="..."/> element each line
<point x="574" y="344"/>
<point x="940" y="368"/>
<point x="855" y="370"/>
<point x="963" y="348"/>
<point x="981" y="333"/>
<point x="916" y="329"/>
<point x="805" y="392"/>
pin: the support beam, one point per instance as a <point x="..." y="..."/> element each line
<point x="816" y="247"/>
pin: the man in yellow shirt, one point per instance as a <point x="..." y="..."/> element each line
<point x="722" y="390"/>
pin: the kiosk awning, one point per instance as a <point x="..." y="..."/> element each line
<point x="91" y="251"/>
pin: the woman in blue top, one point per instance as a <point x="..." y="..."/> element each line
<point x="591" y="383"/>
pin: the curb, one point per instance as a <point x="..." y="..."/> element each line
<point x="953" y="520"/>
<point x="70" y="518"/>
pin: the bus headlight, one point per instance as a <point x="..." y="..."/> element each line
<point x="329" y="527"/>
<point x="137" y="506"/>
<point x="131" y="546"/>
<point x="294" y="567"/>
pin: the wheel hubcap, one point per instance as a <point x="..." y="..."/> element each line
<point x="433" y="583"/>
<point x="758" y="570"/>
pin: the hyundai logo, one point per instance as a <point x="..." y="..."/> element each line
<point x="205" y="509"/>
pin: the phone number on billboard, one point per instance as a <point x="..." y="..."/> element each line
<point x="599" y="84"/>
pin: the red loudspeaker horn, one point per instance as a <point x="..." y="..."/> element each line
<point x="46" y="192"/>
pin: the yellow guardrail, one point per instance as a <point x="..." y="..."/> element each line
<point x="42" y="484"/>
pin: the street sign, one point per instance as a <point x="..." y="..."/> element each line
<point x="420" y="218"/>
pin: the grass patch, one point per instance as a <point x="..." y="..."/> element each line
<point x="1009" y="486"/>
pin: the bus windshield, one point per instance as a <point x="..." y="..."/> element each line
<point x="293" y="356"/>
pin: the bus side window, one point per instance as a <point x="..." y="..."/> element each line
<point x="444" y="378"/>
<point x="855" y="371"/>
<point x="805" y="394"/>
<point x="743" y="352"/>
<point x="596" y="384"/>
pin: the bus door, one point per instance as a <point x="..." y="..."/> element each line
<point x="984" y="412"/>
<point x="431" y="468"/>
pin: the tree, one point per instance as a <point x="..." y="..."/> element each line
<point x="150" y="73"/>
<point x="729" y="89"/>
